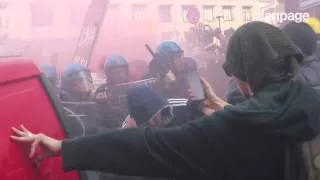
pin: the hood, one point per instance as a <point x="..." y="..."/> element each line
<point x="261" y="54"/>
<point x="144" y="103"/>
<point x="287" y="110"/>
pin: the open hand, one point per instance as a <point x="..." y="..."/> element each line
<point x="51" y="146"/>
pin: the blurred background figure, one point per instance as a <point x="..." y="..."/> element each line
<point x="306" y="39"/>
<point x="314" y="23"/>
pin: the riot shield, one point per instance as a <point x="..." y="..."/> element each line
<point x="78" y="128"/>
<point x="77" y="122"/>
<point x="82" y="117"/>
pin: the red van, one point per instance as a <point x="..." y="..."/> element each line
<point x="26" y="98"/>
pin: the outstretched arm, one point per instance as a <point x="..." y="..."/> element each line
<point x="173" y="152"/>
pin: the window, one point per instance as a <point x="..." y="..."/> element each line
<point x="208" y="13"/>
<point x="165" y="13"/>
<point x="41" y="14"/>
<point x="77" y="13"/>
<point x="246" y="12"/>
<point x="268" y="12"/>
<point x="3" y="17"/>
<point x="227" y="13"/>
<point x="185" y="9"/>
<point x="138" y="12"/>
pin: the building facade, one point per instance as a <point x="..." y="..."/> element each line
<point x="310" y="6"/>
<point x="50" y="26"/>
<point x="43" y="19"/>
<point x="171" y="19"/>
<point x="44" y="26"/>
<point x="269" y="7"/>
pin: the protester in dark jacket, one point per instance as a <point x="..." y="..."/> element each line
<point x="246" y="141"/>
<point x="306" y="39"/>
<point x="148" y="108"/>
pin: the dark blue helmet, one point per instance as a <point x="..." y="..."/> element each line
<point x="51" y="72"/>
<point x="76" y="74"/>
<point x="117" y="69"/>
<point x="115" y="61"/>
<point x="73" y="68"/>
<point x="170" y="48"/>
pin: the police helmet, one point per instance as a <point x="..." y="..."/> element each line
<point x="75" y="73"/>
<point x="170" y="48"/>
<point x="115" y="61"/>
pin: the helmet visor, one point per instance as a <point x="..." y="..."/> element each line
<point x="118" y="75"/>
<point x="83" y="81"/>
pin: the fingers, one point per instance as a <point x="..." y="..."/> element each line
<point x="17" y="131"/>
<point x="23" y="135"/>
<point x="205" y="83"/>
<point x="33" y="147"/>
<point x="25" y="129"/>
<point x="22" y="139"/>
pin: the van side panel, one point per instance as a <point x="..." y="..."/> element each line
<point x="25" y="102"/>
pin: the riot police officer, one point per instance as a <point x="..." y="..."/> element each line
<point x="166" y="65"/>
<point x="76" y="84"/>
<point x="109" y="95"/>
<point x="76" y="97"/>
<point x="116" y="70"/>
<point x="174" y="52"/>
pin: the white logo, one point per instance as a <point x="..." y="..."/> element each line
<point x="282" y="17"/>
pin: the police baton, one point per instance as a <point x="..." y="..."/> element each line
<point x="149" y="49"/>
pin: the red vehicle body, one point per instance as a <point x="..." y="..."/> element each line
<point x="26" y="98"/>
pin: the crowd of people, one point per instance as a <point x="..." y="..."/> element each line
<point x="156" y="128"/>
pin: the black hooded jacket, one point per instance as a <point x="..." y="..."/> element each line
<point x="246" y="141"/>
